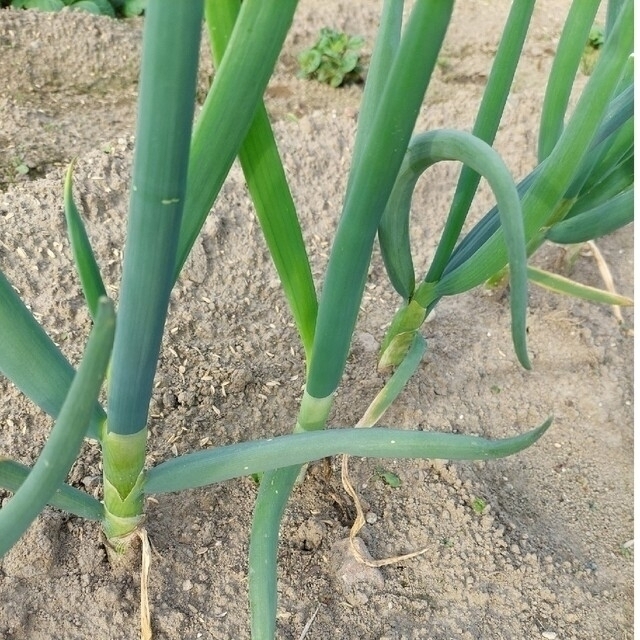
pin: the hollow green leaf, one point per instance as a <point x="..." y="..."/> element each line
<point x="485" y="127"/>
<point x="66" y="498"/>
<point x="563" y="71"/>
<point x="560" y="284"/>
<point x="278" y="219"/>
<point x="610" y="151"/>
<point x="369" y="189"/>
<point x="394" y="386"/>
<point x="228" y="111"/>
<point x="273" y="495"/>
<point x="618" y="111"/>
<point x="270" y="193"/>
<point x="384" y="52"/>
<point x="618" y="148"/>
<point x="65" y="439"/>
<point x="158" y="190"/>
<point x="436" y="146"/>
<point x="542" y="202"/>
<point x="83" y="256"/>
<point x="31" y="360"/>
<point x="615" y="183"/>
<point x="207" y="467"/>
<point x="599" y="221"/>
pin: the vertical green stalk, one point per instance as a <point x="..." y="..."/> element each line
<point x="370" y="186"/>
<point x="275" y="488"/>
<point x="226" y="115"/>
<point x="563" y="72"/>
<point x="368" y="191"/>
<point x="382" y="58"/>
<point x="165" y="113"/>
<point x="267" y="184"/>
<point x="486" y="125"/>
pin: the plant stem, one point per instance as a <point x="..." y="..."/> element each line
<point x="165" y="113"/>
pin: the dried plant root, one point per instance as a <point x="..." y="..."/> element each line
<point x="145" y="613"/>
<point x="360" y="522"/>
<point x="606" y="276"/>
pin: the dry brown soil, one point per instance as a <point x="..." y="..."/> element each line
<point x="550" y="555"/>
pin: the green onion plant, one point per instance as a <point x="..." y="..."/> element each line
<point x="582" y="188"/>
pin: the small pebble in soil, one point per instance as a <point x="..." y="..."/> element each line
<point x="549" y="635"/>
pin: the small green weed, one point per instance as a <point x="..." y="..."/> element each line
<point x="592" y="49"/>
<point x="22" y="169"/>
<point x="479" y="505"/>
<point x="596" y="37"/>
<point x="333" y="59"/>
<point x="388" y="477"/>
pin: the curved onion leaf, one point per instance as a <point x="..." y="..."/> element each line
<point x="425" y="150"/>
<point x="63" y="444"/>
<point x="31" y="360"/>
<point x="596" y="222"/>
<point x="245" y="458"/>
<point x="66" y="498"/>
<point x="485" y="127"/>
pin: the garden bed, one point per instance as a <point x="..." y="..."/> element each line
<point x="517" y="548"/>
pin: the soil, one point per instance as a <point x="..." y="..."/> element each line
<point x="550" y="554"/>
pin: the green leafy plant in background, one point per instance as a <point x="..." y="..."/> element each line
<point x="596" y="37"/>
<point x="112" y="8"/>
<point x="580" y="189"/>
<point x="129" y="8"/>
<point x="334" y="59"/>
<point x="592" y="49"/>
